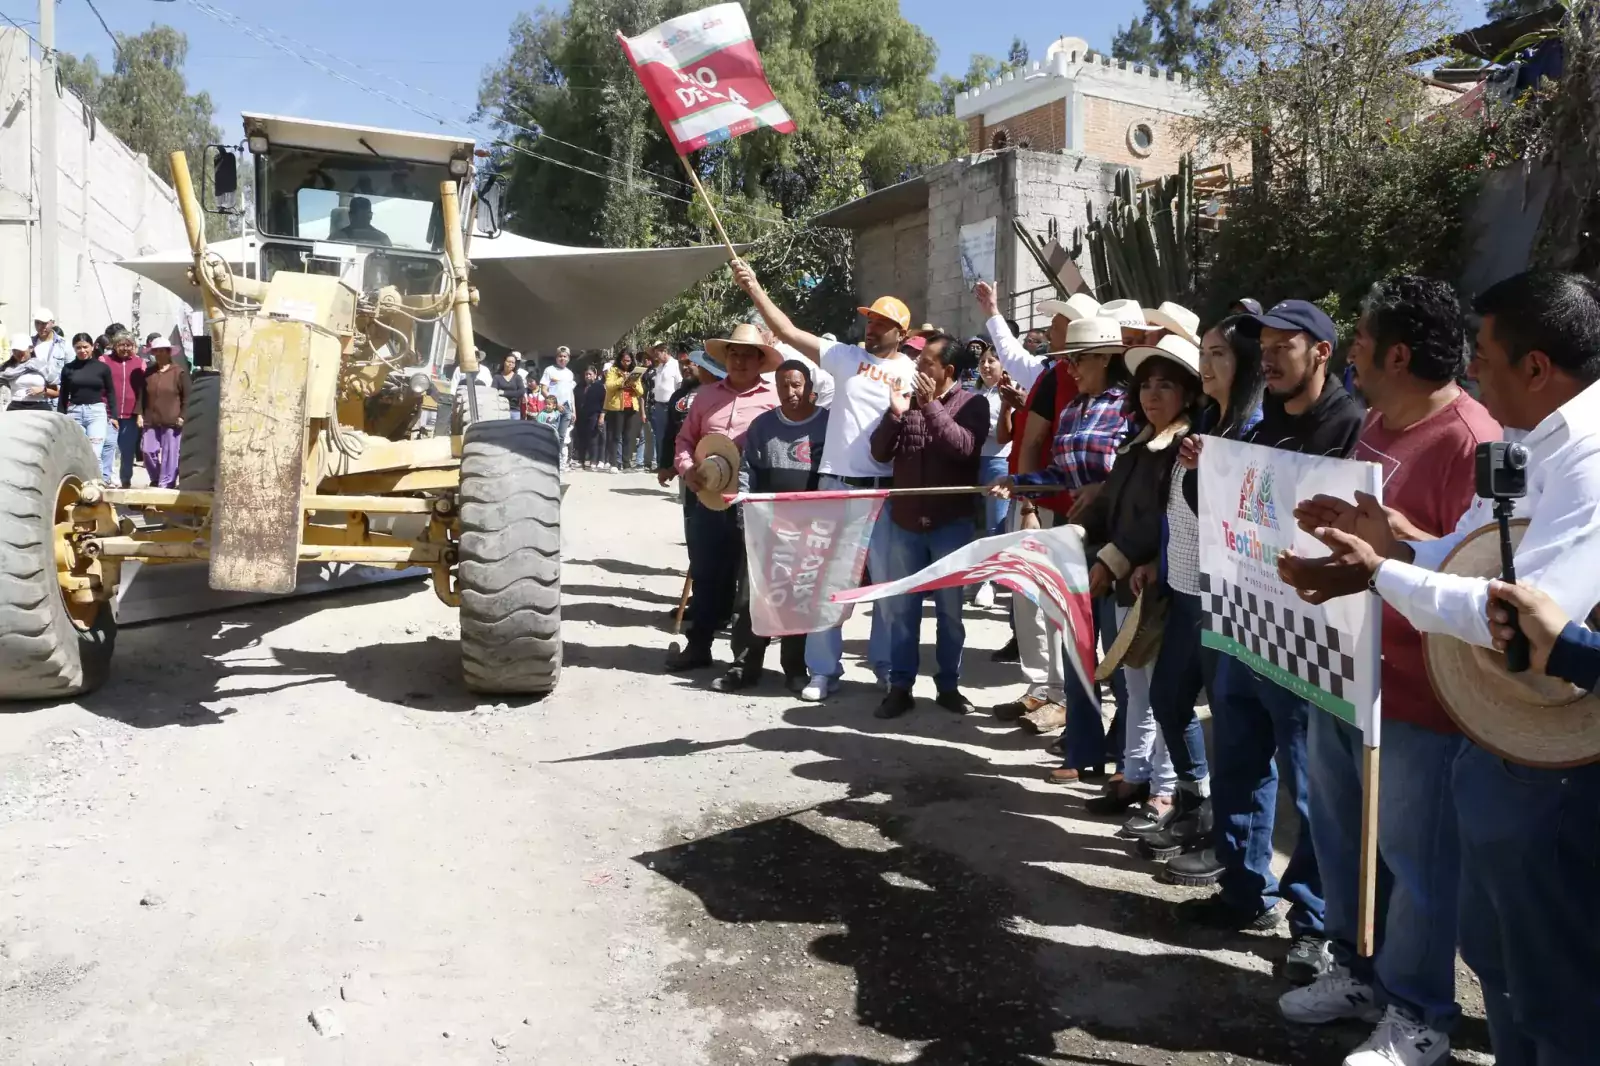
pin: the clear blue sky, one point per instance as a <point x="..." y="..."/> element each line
<point x="402" y="40"/>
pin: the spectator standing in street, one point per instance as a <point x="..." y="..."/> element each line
<point x="122" y="434"/>
<point x="992" y="387"/>
<point x="27" y="378"/>
<point x="589" y="430"/>
<point x="161" y="404"/>
<point x="782" y="452"/>
<point x="49" y="345"/>
<point x="716" y="545"/>
<point x="510" y="384"/>
<point x="562" y="387"/>
<point x="933" y="436"/>
<point x="1255" y="722"/>
<point x="624" y="392"/>
<point x="663" y="384"/>
<point x="864" y="379"/>
<point x="86" y="392"/>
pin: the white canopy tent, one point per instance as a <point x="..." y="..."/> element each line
<point x="534" y="296"/>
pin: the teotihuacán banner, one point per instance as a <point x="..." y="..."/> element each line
<point x="1328" y="654"/>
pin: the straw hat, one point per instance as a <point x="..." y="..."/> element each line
<point x="716" y="460"/>
<point x="1527" y="718"/>
<point x="1093" y="334"/>
<point x="1175" y="318"/>
<point x="1079" y="305"/>
<point x="1171" y="347"/>
<point x="1126" y="312"/>
<point x="750" y="336"/>
<point x="1139" y="639"/>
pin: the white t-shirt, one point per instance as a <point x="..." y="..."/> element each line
<point x="862" y="384"/>
<point x="560" y="382"/>
<point x="668" y="378"/>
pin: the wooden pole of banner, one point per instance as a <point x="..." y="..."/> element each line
<point x="1367" y="902"/>
<point x="701" y="189"/>
<point x="683" y="605"/>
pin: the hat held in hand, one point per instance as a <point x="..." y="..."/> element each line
<point x="1527" y="718"/>
<point x="716" y="462"/>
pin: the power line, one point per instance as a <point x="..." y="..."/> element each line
<point x="116" y="45"/>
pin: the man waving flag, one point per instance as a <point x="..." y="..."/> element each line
<point x="703" y="76"/>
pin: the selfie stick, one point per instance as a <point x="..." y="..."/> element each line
<point x="1517" y="655"/>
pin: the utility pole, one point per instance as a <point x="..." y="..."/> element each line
<point x="49" y="155"/>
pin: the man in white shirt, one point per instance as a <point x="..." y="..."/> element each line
<point x="864" y="379"/>
<point x="559" y="381"/>
<point x="664" y="381"/>
<point x="49" y="345"/>
<point x="1529" y="837"/>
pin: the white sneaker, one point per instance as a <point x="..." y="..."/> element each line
<point x="1330" y="998"/>
<point x="1400" y="1041"/>
<point x="819" y="688"/>
<point x="985" y="596"/>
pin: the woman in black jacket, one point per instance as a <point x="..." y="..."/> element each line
<point x="1122" y="535"/>
<point x="511" y="385"/>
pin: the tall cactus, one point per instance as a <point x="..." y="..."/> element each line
<point x="1141" y="249"/>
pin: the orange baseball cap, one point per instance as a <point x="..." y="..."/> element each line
<point x="890" y="308"/>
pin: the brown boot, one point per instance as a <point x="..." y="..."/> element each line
<point x="1044" y="718"/>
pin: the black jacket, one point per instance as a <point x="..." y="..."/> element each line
<point x="1122" y="526"/>
<point x="1330" y="428"/>
<point x="677" y="410"/>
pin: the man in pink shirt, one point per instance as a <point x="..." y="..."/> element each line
<point x="716" y="543"/>
<point x="1423" y="431"/>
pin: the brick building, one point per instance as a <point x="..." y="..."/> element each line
<point x="1079" y="101"/>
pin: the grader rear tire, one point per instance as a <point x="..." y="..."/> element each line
<point x="510" y="571"/>
<point x="197" y="448"/>
<point x="44" y="652"/>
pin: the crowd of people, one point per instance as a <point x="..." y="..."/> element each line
<point x="127" y="397"/>
<point x="1099" y="421"/>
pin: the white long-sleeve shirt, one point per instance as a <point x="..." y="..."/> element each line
<point x="1559" y="551"/>
<point x="1024" y="367"/>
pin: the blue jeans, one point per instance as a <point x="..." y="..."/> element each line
<point x="1414" y="966"/>
<point x="1181" y="670"/>
<point x="1260" y="730"/>
<point x="825" y="649"/>
<point x="1084" y="742"/>
<point x="563" y="431"/>
<point x="991" y="468"/>
<point x="91" y="418"/>
<point x="658" y="429"/>
<point x="910" y="551"/>
<point x="1530" y="860"/>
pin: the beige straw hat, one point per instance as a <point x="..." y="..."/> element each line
<point x="716" y="460"/>
<point x="750" y="337"/>
<point x="1139" y="640"/>
<point x="1527" y="718"/>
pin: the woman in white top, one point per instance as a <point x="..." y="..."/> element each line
<point x="993" y="383"/>
<point x="24" y="378"/>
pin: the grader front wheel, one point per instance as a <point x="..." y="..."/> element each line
<point x="50" y="646"/>
<point x="510" y="571"/>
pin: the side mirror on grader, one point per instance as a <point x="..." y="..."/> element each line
<point x="302" y="447"/>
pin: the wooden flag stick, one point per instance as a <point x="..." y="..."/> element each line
<point x="683" y="605"/>
<point x="701" y="189"/>
<point x="1367" y="902"/>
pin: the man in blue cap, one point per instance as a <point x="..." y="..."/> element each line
<point x="1253" y="719"/>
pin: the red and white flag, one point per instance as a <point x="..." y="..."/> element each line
<point x="801" y="547"/>
<point x="1045" y="565"/>
<point x="702" y="73"/>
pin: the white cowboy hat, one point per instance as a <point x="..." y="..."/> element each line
<point x="1127" y="313"/>
<point x="1175" y="318"/>
<point x="1527" y="718"/>
<point x="749" y="336"/>
<point x="1093" y="334"/>
<point x="1074" y="307"/>
<point x="1171" y="347"/>
<point x="716" y="460"/>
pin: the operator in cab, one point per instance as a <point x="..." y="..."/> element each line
<point x="361" y="230"/>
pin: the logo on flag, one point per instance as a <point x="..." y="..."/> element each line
<point x="800" y="547"/>
<point x="704" y="77"/>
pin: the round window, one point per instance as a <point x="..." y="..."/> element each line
<point x="1141" y="138"/>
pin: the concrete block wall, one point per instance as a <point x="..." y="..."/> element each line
<point x="891" y="259"/>
<point x="1057" y="187"/>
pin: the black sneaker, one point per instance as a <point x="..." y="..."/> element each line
<point x="1194" y="870"/>
<point x="1213" y="912"/>
<point x="1007" y="654"/>
<point x="1309" y="958"/>
<point x="734" y="680"/>
<point x="693" y="657"/>
<point x="952" y="700"/>
<point x="896" y="703"/>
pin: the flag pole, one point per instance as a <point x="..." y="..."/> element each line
<point x="1367" y="900"/>
<point x="701" y="189"/>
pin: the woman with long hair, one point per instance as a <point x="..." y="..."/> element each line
<point x="511" y="385"/>
<point x="86" y="392"/>
<point x="1231" y="375"/>
<point x="624" y="395"/>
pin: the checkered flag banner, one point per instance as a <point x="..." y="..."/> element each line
<point x="1328" y="654"/>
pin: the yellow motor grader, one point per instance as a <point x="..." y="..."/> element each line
<point x="304" y="445"/>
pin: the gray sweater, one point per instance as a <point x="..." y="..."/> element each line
<point x="780" y="455"/>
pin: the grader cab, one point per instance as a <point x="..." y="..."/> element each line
<point x="307" y="443"/>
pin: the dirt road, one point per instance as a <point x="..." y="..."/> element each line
<point x="290" y="818"/>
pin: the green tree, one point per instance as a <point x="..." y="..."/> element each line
<point x="1510" y="9"/>
<point x="1173" y="35"/>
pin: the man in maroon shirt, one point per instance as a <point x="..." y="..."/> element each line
<point x="127" y="386"/>
<point x="933" y="435"/>
<point x="1423" y="430"/>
